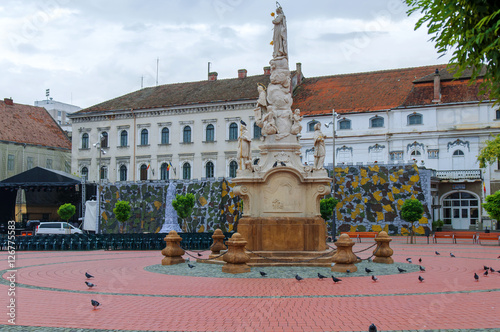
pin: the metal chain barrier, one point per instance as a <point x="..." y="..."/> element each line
<point x="201" y="259"/>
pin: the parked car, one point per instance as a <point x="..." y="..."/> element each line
<point x="57" y="227"/>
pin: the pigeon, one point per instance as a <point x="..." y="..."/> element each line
<point x="420" y="278"/>
<point x="422" y="269"/>
<point x="320" y="276"/>
<point x="88" y="275"/>
<point x="408" y="260"/>
<point x="451" y="255"/>
<point x="375" y="279"/>
<point x="199" y="255"/>
<point x="243" y="122"/>
<point x="263" y="274"/>
<point x="372" y="328"/>
<point x="299" y="278"/>
<point x="335" y="280"/>
<point x="282" y="163"/>
<point x="486" y="267"/>
<point x="420" y="260"/>
<point x="368" y="270"/>
<point x="401" y="270"/>
<point x="348" y="271"/>
<point x="491" y="270"/>
<point x="485" y="273"/>
<point x="275" y="164"/>
<point x="476" y="277"/>
<point x="498" y="257"/>
<point x="437" y="253"/>
<point x="190" y="266"/>
<point x="95" y="303"/>
<point x="89" y="284"/>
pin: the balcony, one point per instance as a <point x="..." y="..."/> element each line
<point x="466" y="174"/>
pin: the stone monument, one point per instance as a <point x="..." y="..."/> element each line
<point x="281" y="214"/>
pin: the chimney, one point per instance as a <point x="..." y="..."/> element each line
<point x="437" y="87"/>
<point x="267" y="70"/>
<point x="298" y="66"/>
<point x="212" y="76"/>
<point x="242" y="73"/>
<point x="8" y="101"/>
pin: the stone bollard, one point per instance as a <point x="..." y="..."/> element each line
<point x="383" y="252"/>
<point x="172" y="252"/>
<point x="236" y="258"/>
<point x="218" y="243"/>
<point x="344" y="259"/>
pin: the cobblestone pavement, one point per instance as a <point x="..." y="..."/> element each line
<point x="138" y="294"/>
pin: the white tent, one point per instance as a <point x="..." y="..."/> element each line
<point x="90" y="221"/>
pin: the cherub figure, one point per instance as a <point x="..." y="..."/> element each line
<point x="296" y="126"/>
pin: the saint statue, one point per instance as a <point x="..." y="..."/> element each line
<point x="296" y="126"/>
<point x="280" y="35"/>
<point x="261" y="107"/>
<point x="319" y="147"/>
<point x="244" y="150"/>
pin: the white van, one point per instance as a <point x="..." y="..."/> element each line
<point x="57" y="227"/>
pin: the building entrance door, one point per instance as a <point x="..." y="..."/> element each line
<point x="460" y="210"/>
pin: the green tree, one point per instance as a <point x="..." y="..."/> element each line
<point x="183" y="205"/>
<point x="492" y="205"/>
<point x="327" y="209"/>
<point x="490" y="153"/>
<point x="66" y="211"/>
<point x="471" y="29"/>
<point x="122" y="212"/>
<point x="411" y="211"/>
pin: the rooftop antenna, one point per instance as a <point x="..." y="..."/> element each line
<point x="142" y="81"/>
<point x="47" y="93"/>
<point x="209" y="63"/>
<point x="157" y="63"/>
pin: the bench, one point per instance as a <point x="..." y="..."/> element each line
<point x="488" y="237"/>
<point x="465" y="235"/>
<point x="442" y="235"/>
<point x="360" y="235"/>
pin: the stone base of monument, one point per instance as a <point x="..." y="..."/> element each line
<point x="291" y="258"/>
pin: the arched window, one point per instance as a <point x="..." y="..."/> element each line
<point x="209" y="170"/>
<point x="377" y="122"/>
<point x="104" y="173"/>
<point x="186" y="137"/>
<point x="233" y="131"/>
<point x="123" y="173"/>
<point x="497" y="113"/>
<point x="210" y="133"/>
<point x="416" y="153"/>
<point x="458" y="153"/>
<point x="310" y="125"/>
<point x="257" y="131"/>
<point x="104" y="140"/>
<point x="233" y="167"/>
<point x="414" y="119"/>
<point x="344" y="124"/>
<point x="186" y="171"/>
<point x="85" y="173"/>
<point x="458" y="160"/>
<point x="124" y="138"/>
<point x="85" y="141"/>
<point x="164" y="171"/>
<point x="165" y="133"/>
<point x="144" y="172"/>
<point x="144" y="137"/>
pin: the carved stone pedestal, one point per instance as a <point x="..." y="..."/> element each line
<point x="236" y="258"/>
<point x="218" y="244"/>
<point x="344" y="259"/>
<point x="172" y="252"/>
<point x="383" y="252"/>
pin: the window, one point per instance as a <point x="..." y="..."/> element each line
<point x="165" y="133"/>
<point x="104" y="140"/>
<point x="310" y="125"/>
<point x="416" y="153"/>
<point x="144" y="137"/>
<point x="123" y="173"/>
<point x="186" y="134"/>
<point x="186" y="171"/>
<point x="209" y="170"/>
<point x="458" y="160"/>
<point x="85" y="141"/>
<point x="124" y="138"/>
<point x="144" y="172"/>
<point x="233" y="131"/>
<point x="414" y="119"/>
<point x="104" y="173"/>
<point x="377" y="122"/>
<point x="497" y="114"/>
<point x="30" y="162"/>
<point x="164" y="171"/>
<point x="257" y="131"/>
<point x="233" y="167"/>
<point x="85" y="173"/>
<point x="458" y="153"/>
<point x="344" y="124"/>
<point x="396" y="155"/>
<point x="210" y="133"/>
<point x="49" y="163"/>
<point x="10" y="162"/>
<point x="433" y="154"/>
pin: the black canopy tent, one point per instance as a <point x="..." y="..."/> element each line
<point x="44" y="188"/>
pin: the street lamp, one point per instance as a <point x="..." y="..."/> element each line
<point x="101" y="152"/>
<point x="334" y="217"/>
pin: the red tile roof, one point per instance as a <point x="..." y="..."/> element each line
<point x="31" y="125"/>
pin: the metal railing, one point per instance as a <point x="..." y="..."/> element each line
<point x="466" y="174"/>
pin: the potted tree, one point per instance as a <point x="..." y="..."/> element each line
<point x="66" y="211"/>
<point x="411" y="211"/>
<point x="183" y="205"/>
<point x="492" y="206"/>
<point x="437" y="225"/>
<point x="122" y="212"/>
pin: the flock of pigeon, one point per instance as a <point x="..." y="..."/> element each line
<point x="94" y="303"/>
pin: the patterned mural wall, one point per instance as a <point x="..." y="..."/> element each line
<point x="370" y="199"/>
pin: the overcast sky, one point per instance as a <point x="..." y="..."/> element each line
<point x="90" y="51"/>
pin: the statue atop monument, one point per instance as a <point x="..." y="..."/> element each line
<point x="280" y="37"/>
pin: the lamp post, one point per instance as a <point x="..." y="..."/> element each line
<point x="101" y="152"/>
<point x="332" y="123"/>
